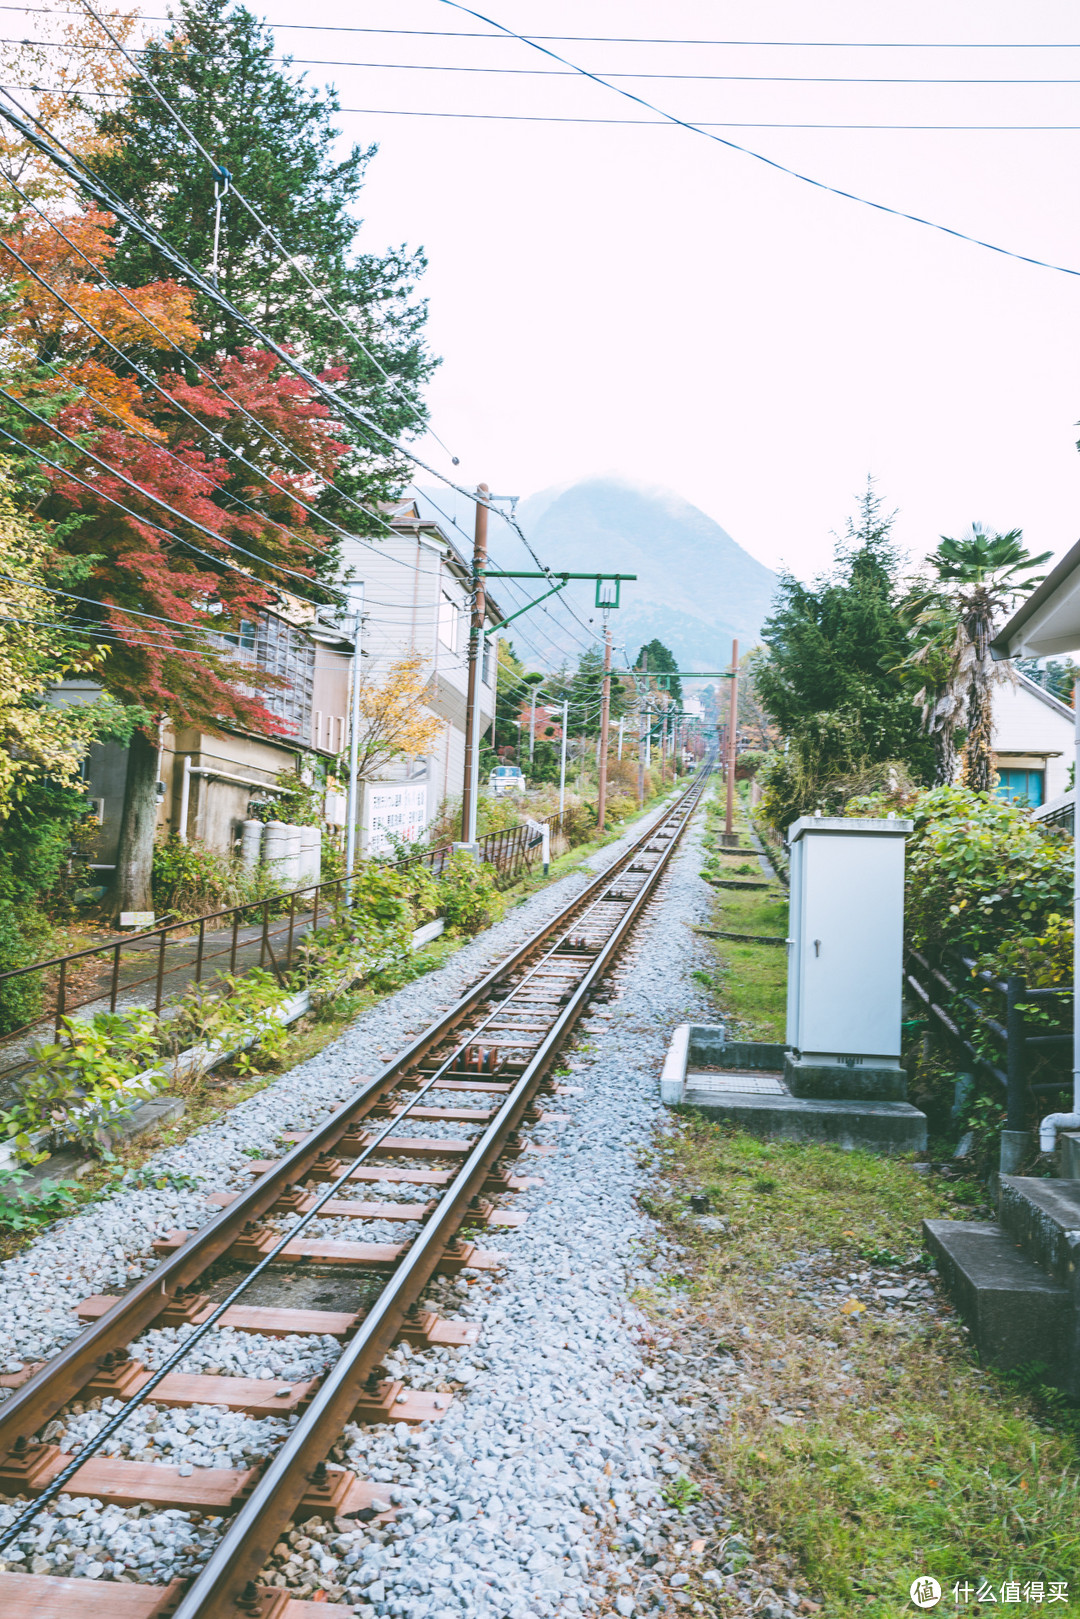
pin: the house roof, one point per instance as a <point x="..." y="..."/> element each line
<point x="415" y="513"/>
<point x="1049" y="620"/>
<point x="1044" y="696"/>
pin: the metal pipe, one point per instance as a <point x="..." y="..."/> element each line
<point x="354" y="741"/>
<point x="562" y="760"/>
<point x="1053" y="1122"/>
<point x="212" y="774"/>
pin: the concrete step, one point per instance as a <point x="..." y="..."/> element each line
<point x="1043" y="1218"/>
<point x="875" y="1126"/>
<point x="1017" y="1314"/>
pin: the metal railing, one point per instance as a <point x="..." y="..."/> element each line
<point x="175" y="955"/>
<point x="1030" y="1062"/>
<point x="508" y="851"/>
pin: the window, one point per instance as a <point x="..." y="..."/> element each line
<point x="244" y="638"/>
<point x="1021" y="786"/>
<point x="448" y="622"/>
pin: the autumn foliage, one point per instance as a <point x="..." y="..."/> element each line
<point x="211" y="556"/>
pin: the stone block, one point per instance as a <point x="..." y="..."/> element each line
<point x="1017" y="1314"/>
<point x="870" y="1082"/>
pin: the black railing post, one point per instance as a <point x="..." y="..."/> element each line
<point x="199" y="951"/>
<point x="61" y="995"/>
<point x="115" y="976"/>
<point x="160" y="971"/>
<point x="1015" y="1056"/>
<point x="265" y="932"/>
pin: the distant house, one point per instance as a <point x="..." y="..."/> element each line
<point x="207" y="782"/>
<point x="417" y="601"/>
<point x="1033" y="742"/>
<point x="417" y="584"/>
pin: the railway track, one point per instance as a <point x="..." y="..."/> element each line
<point x="482" y="1071"/>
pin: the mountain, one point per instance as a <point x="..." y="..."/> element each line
<point x="696" y="588"/>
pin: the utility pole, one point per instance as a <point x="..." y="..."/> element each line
<point x="642" y="731"/>
<point x="605" y="721"/>
<point x="470" y="786"/>
<point x="562" y="758"/>
<point x="532" y="722"/>
<point x="732" y="739"/>
<point x="352" y="807"/>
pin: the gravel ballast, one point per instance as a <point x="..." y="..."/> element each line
<point x="541" y="1490"/>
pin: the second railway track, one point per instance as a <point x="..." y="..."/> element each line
<point x="492" y="1051"/>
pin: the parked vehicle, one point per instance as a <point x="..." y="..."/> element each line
<point x="506" y="779"/>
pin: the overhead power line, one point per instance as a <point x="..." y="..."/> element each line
<point x="635" y="39"/>
<point x="772" y="163"/>
<point x="569" y="73"/>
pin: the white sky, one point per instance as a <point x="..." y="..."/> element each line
<point x="644" y="301"/>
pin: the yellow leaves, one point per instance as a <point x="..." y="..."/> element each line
<point x="36" y="738"/>
<point x="852" y="1306"/>
<point x="394" y="718"/>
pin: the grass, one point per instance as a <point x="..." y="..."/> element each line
<point x="749" y="981"/>
<point x="906" y="1457"/>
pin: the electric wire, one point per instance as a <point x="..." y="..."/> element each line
<point x="568" y="73"/>
<point x="633" y="39"/>
<point x="702" y="126"/>
<point x="86" y="181"/>
<point x="772" y="163"/>
<point x="173" y="538"/>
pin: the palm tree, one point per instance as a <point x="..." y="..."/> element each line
<point x="978" y="577"/>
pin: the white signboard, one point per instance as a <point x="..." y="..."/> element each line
<point x="393" y="810"/>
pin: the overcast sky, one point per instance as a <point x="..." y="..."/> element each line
<point x="645" y="301"/>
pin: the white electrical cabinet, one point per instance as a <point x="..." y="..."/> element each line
<point x="845" y="950"/>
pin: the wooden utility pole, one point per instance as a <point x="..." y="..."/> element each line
<point x="605" y="720"/>
<point x="642" y="731"/>
<point x="472" y="729"/>
<point x="732" y="739"/>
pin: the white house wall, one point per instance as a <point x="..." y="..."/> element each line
<point x="1029" y="723"/>
<point x="404" y="579"/>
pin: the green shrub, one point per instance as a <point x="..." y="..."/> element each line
<point x="468" y="894"/>
<point x="190" y="879"/>
<point x="986" y="879"/>
<point x="77" y="1088"/>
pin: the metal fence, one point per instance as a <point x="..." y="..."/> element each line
<point x="509" y="851"/>
<point x="1014" y="1033"/>
<point x="155" y="966"/>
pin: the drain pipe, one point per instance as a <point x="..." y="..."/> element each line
<point x="1054" y="1122"/>
<point x="215" y="775"/>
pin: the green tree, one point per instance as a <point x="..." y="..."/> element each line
<point x="658" y="660"/>
<point x="275" y="137"/>
<point x="832" y="678"/>
<point x="976" y="578"/>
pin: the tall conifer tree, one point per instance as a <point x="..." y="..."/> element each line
<point x="216" y="65"/>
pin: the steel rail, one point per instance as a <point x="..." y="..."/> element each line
<point x="259" y="1523"/>
<point x="61" y="1378"/>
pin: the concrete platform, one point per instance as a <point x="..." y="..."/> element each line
<point x="741" y="1082"/>
<point x="762" y="1104"/>
<point x="1015" y="1312"/>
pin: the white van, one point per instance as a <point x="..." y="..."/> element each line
<point x="506" y="779"/>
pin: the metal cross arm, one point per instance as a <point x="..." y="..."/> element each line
<point x="537" y="599"/>
<point x="551" y="573"/>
